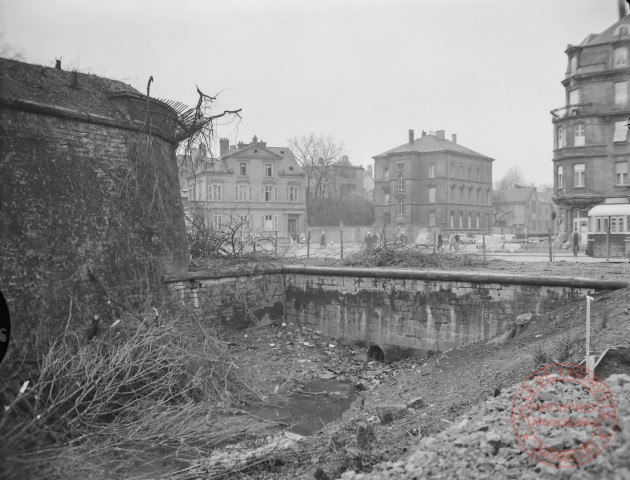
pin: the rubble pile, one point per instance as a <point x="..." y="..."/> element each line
<point x="482" y="444"/>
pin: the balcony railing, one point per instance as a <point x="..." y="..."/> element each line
<point x="590" y="108"/>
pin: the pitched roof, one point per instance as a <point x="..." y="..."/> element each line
<point x="431" y="143"/>
<point x="607" y="35"/>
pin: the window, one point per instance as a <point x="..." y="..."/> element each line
<point x="386" y="197"/>
<point x="432" y="191"/>
<point x="217" y="223"/>
<point x="470" y="173"/>
<point x="621" y="93"/>
<point x="401" y="207"/>
<point x="432" y="219"/>
<point x="452" y="220"/>
<point x="559" y="173"/>
<point x="400" y="174"/>
<point x="270" y="223"/>
<point x="292" y="194"/>
<point x="579" y="137"/>
<point x="386" y="173"/>
<point x="245" y="222"/>
<point x="621" y="173"/>
<point x="215" y="192"/>
<point x="621" y="132"/>
<point x="242" y="169"/>
<point x="269" y="193"/>
<point x="386" y="218"/>
<point x="478" y="196"/>
<point x="613" y="224"/>
<point x="620" y="57"/>
<point x="469" y="220"/>
<point x="477" y="225"/>
<point x="561" y="139"/>
<point x="268" y="170"/>
<point x="432" y="170"/>
<point x="461" y="220"/>
<point x="574" y="97"/>
<point x="578" y="175"/>
<point x="461" y="171"/>
<point x="573" y="65"/>
<point x="243" y="193"/>
<point x="478" y="174"/>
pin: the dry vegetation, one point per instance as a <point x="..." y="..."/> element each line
<point x="151" y="388"/>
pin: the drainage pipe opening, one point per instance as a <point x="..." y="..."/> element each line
<point x="376" y="353"/>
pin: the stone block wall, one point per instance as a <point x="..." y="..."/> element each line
<point x="402" y="311"/>
<point x="82" y="201"/>
<point x="232" y="301"/>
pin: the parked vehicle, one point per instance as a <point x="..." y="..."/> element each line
<point x="493" y="242"/>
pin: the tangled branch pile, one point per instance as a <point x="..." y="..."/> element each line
<point x="400" y="255"/>
<point x="121" y="401"/>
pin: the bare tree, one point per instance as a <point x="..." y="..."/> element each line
<point x="317" y="156"/>
<point x="512" y="178"/>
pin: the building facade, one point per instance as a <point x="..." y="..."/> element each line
<point x="261" y="187"/>
<point x="591" y="150"/>
<point x="433" y="184"/>
<point x="348" y="178"/>
<point x="522" y="211"/>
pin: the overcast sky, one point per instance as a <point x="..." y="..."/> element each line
<point x="364" y="71"/>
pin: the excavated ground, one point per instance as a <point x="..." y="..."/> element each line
<point x="475" y="383"/>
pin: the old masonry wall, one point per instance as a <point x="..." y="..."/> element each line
<point x="402" y="311"/>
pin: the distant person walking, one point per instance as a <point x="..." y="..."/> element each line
<point x="439" y="245"/>
<point x="576" y="243"/>
<point x="322" y="241"/>
<point x="451" y="242"/>
<point x="456" y="241"/>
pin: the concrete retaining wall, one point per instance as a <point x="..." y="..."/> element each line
<point x="402" y="311"/>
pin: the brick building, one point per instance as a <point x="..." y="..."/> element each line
<point x="433" y="184"/>
<point x="89" y="204"/>
<point x="262" y="186"/>
<point x="591" y="150"/>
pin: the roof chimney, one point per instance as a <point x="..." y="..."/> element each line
<point x="424" y="134"/>
<point x="58" y="63"/>
<point x="224" y="146"/>
<point x="255" y="139"/>
<point x="411" y="136"/>
<point x="454" y="137"/>
<point x="440" y="134"/>
<point x="622" y="8"/>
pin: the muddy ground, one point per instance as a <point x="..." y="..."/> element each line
<point x="378" y="427"/>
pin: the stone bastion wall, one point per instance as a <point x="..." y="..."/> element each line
<point x="404" y="312"/>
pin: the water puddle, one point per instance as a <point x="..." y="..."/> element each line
<point x="320" y="402"/>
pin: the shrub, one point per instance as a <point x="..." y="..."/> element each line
<point x="107" y="406"/>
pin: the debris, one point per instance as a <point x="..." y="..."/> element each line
<point x="389" y="412"/>
<point x="415" y="403"/>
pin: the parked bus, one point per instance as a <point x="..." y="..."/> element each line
<point x="608" y="229"/>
